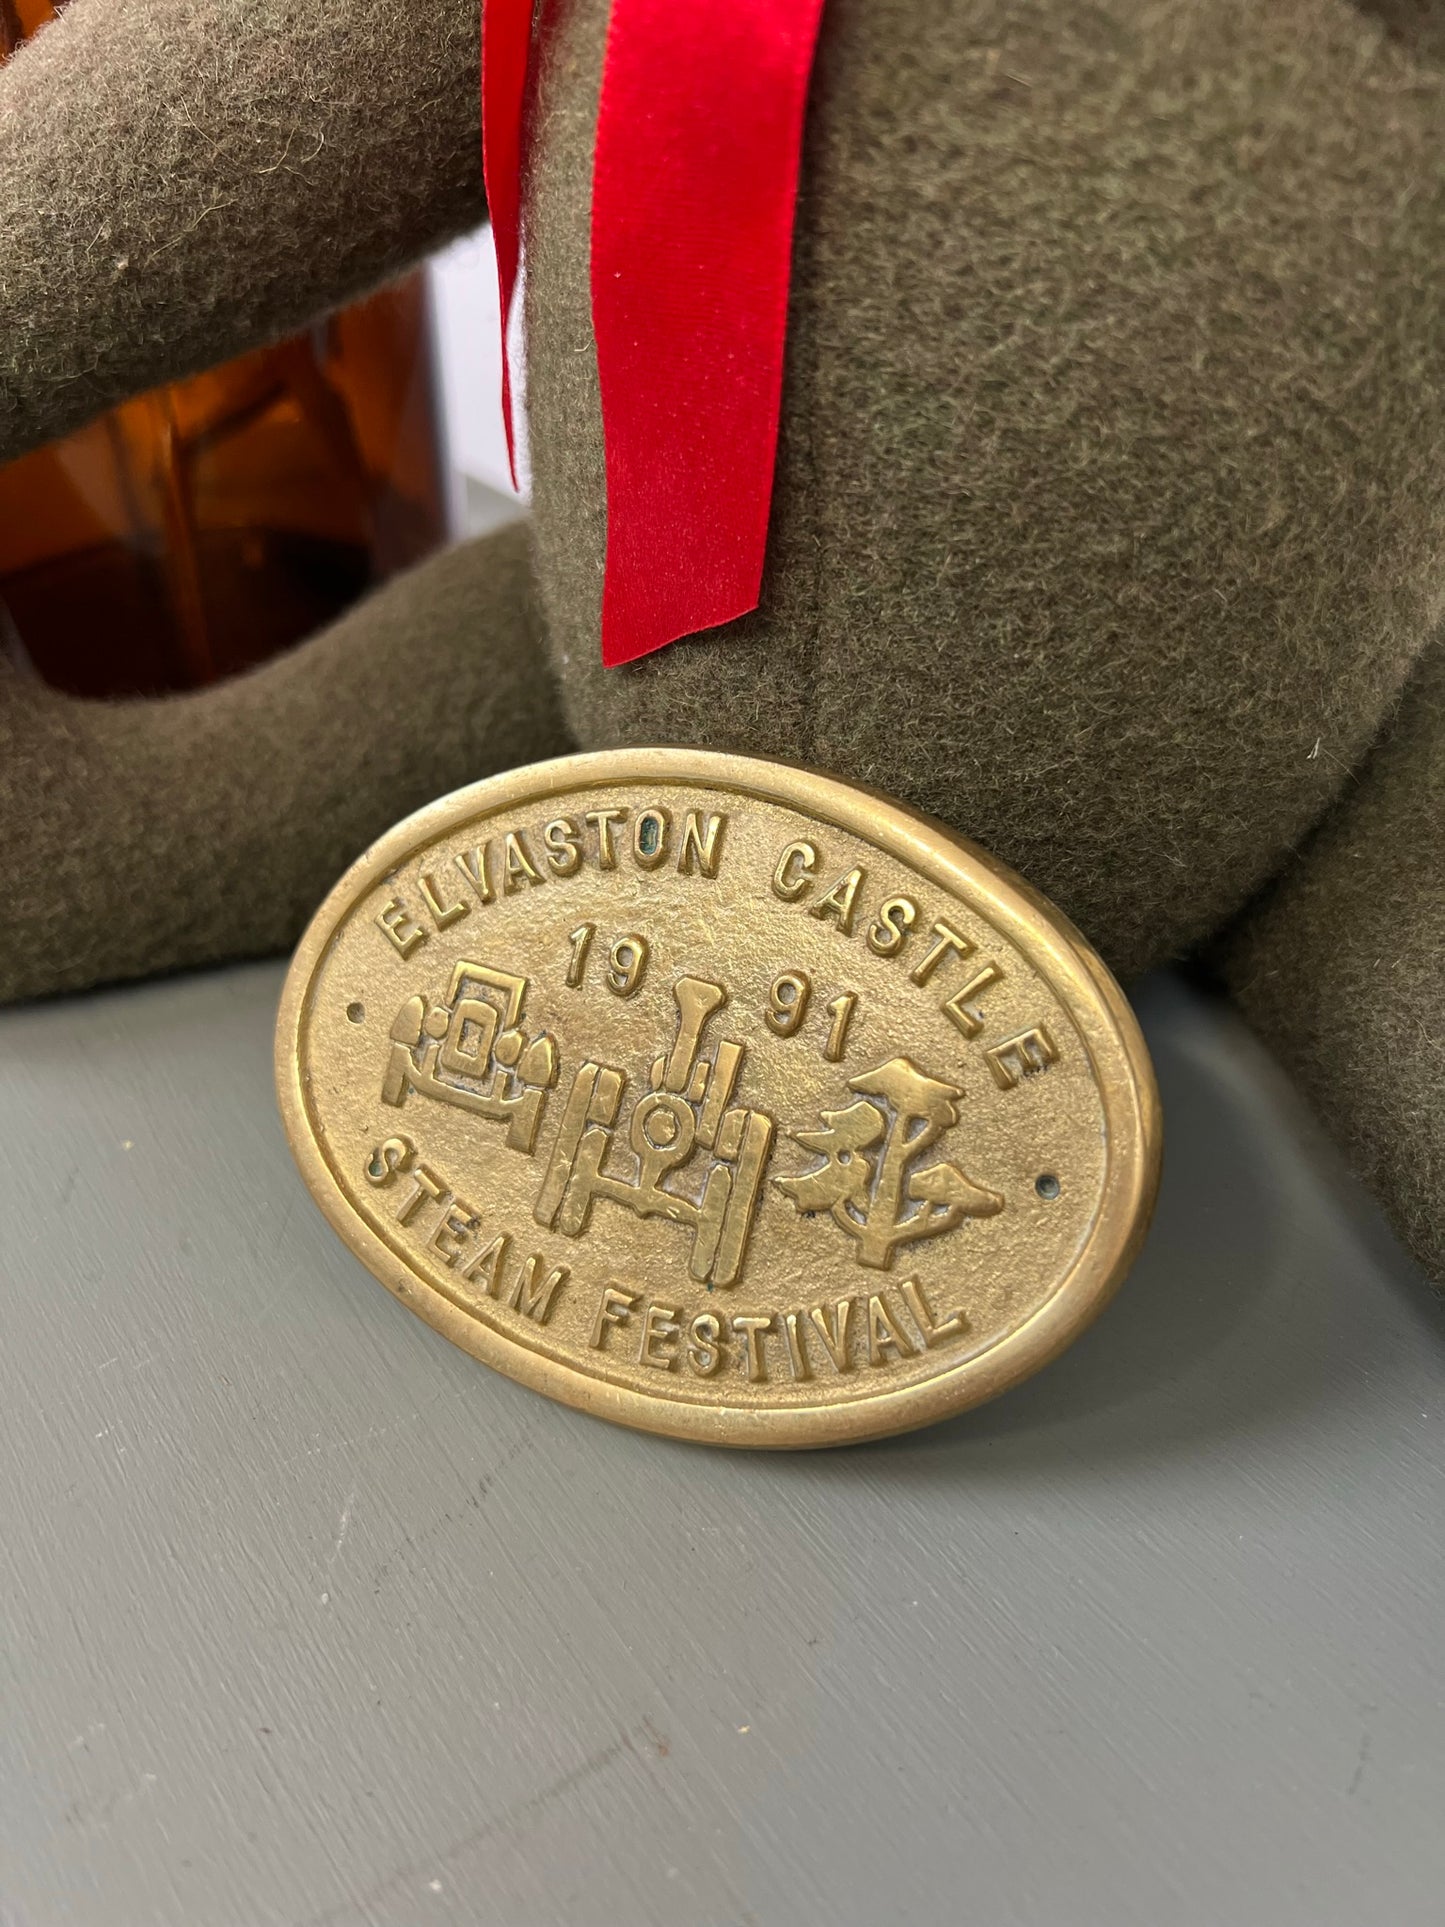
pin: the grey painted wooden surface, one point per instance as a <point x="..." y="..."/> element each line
<point x="310" y="1619"/>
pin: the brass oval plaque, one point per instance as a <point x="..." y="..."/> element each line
<point x="718" y="1097"/>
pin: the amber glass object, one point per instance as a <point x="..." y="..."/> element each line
<point x="205" y="526"/>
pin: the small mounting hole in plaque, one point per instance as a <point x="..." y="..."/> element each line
<point x="1047" y="1186"/>
<point x="356" y="1013"/>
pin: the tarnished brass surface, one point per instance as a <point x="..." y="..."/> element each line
<point x="718" y="1097"/>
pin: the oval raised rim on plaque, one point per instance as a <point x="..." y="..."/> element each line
<point x="1095" y="1004"/>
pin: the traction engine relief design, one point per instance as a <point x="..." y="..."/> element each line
<point x="686" y="1117"/>
<point x="472" y="1052"/>
<point x="867" y="1180"/>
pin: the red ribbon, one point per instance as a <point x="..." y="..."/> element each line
<point x="694" y="185"/>
<point x="506" y="38"/>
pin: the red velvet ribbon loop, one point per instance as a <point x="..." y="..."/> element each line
<point x="694" y="186"/>
<point x="506" y="41"/>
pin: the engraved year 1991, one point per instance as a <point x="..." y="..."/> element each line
<point x="719" y="1097"/>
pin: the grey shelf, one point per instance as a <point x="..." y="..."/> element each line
<point x="308" y="1618"/>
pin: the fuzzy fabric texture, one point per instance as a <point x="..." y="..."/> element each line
<point x="182" y="179"/>
<point x="147" y="835"/>
<point x="1112" y="478"/>
<point x="1341" y="968"/>
<point x="1416" y="24"/>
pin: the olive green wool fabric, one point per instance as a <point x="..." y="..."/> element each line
<point x="1342" y="968"/>
<point x="181" y="179"/>
<point x="1112" y="479"/>
<point x="147" y="835"/>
